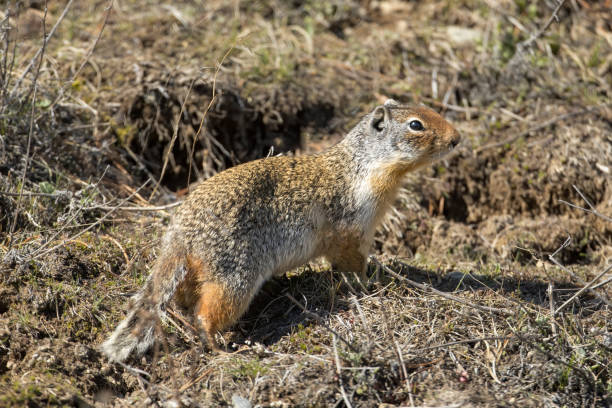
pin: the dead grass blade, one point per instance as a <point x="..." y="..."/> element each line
<point x="591" y="208"/>
<point x="41" y="50"/>
<point x="149" y="208"/>
<point x="541" y="126"/>
<point x="524" y="45"/>
<point x="576" y="277"/>
<point x="585" y="288"/>
<point x="321" y="321"/>
<point x="40" y="252"/>
<point x="339" y="373"/>
<point x="60" y="94"/>
<point x="173" y="140"/>
<point x="437" y="292"/>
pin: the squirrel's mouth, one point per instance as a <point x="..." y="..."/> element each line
<point x="443" y="152"/>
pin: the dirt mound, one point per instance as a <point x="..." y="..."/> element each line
<point x="531" y="176"/>
<point x="212" y="136"/>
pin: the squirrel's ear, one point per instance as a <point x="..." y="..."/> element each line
<point x="391" y="102"/>
<point x="379" y="119"/>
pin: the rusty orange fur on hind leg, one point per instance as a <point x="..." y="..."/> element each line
<point x="216" y="310"/>
<point x="204" y="298"/>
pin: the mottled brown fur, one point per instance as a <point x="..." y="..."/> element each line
<point x="260" y="219"/>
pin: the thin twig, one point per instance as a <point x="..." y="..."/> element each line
<point x="595" y="212"/>
<point x="434" y="291"/>
<point x="321" y="321"/>
<point x="585" y="288"/>
<point x="551" y="306"/>
<point x="75" y="214"/>
<point x="173" y="140"/>
<point x="29" y="194"/>
<point x="533" y="129"/>
<point x="212" y="100"/>
<point x="7" y="68"/>
<point x="151" y="208"/>
<point x="118" y="244"/>
<point x="453" y="343"/>
<point x="41" y="49"/>
<point x="602" y="283"/>
<point x="87" y="56"/>
<point x="523" y="45"/>
<point x="196" y="380"/>
<point x="580" y="281"/>
<point x="99" y="221"/>
<point x="30" y="131"/>
<point x="182" y="320"/>
<point x="591" y="208"/>
<point x="339" y="373"/>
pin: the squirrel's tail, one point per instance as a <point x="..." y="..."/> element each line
<point x="137" y="330"/>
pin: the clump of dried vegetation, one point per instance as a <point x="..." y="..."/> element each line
<point x="488" y="286"/>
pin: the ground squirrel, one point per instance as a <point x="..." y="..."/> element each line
<point x="259" y="219"/>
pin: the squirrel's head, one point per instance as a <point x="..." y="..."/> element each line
<point x="415" y="135"/>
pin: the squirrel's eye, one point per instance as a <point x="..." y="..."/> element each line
<point x="416" y="125"/>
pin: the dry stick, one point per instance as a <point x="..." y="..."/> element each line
<point x="535" y="343"/>
<point x="212" y="100"/>
<point x="7" y="68"/>
<point x="182" y="320"/>
<point x="195" y="137"/>
<point x="25" y="170"/>
<point x="396" y="349"/>
<point x="188" y="338"/>
<point x="404" y="371"/>
<point x="74" y="216"/>
<point x="581" y="291"/>
<point x="602" y="283"/>
<point x="588" y="286"/>
<point x="516" y="301"/>
<point x="118" y="244"/>
<point x="364" y="322"/>
<point x="592" y="209"/>
<point x="533" y="129"/>
<point x="195" y="381"/>
<point x="339" y="373"/>
<point x="534" y="36"/>
<point x="321" y="321"/>
<point x="579" y="280"/>
<point x="434" y="291"/>
<point x="99" y="221"/>
<point x="152" y="208"/>
<point x="453" y="343"/>
<point x="551" y="305"/>
<point x="87" y="56"/>
<point x="42" y="48"/>
<point x="137" y="371"/>
<point x="174" y="136"/>
<point x="29" y="194"/>
<point x="31" y="130"/>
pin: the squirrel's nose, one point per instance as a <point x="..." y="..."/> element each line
<point x="455" y="139"/>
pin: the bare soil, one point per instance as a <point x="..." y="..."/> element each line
<point x="175" y="92"/>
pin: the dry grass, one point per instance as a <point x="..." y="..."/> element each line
<point x="504" y="325"/>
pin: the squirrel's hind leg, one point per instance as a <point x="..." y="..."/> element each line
<point x="214" y="306"/>
<point x="217" y="309"/>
